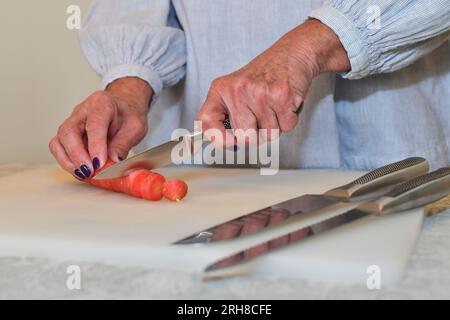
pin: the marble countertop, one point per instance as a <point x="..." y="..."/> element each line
<point x="427" y="276"/>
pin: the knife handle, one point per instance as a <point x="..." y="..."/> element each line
<point x="412" y="194"/>
<point x="381" y="180"/>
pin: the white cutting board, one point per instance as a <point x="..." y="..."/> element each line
<point x="44" y="212"/>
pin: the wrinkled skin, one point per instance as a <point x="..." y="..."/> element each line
<point x="266" y="93"/>
<point x="106" y="125"/>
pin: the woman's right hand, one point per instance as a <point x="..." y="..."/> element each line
<point x="105" y="126"/>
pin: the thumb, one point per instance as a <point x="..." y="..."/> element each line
<point x="132" y="131"/>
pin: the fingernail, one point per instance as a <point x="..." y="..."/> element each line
<point x="85" y="170"/>
<point x="120" y="158"/>
<point x="96" y="163"/>
<point x="79" y="174"/>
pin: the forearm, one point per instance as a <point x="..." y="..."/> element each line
<point x="319" y="44"/>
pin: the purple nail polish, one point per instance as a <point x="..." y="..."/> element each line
<point x="85" y="170"/>
<point x="79" y="174"/>
<point x="96" y="163"/>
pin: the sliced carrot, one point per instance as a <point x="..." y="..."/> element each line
<point x="135" y="180"/>
<point x="152" y="187"/>
<point x="175" y="190"/>
<point x="144" y="184"/>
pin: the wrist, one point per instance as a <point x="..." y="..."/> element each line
<point x="318" y="44"/>
<point x="132" y="91"/>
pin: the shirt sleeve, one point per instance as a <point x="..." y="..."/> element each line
<point x="138" y="38"/>
<point x="382" y="36"/>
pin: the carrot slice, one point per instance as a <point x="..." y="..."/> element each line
<point x="135" y="180"/>
<point x="152" y="187"/>
<point x="175" y="190"/>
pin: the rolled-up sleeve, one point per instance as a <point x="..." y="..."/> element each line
<point x="382" y="36"/>
<point x="134" y="38"/>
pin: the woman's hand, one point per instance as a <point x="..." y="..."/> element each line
<point x="106" y="125"/>
<point x="266" y="93"/>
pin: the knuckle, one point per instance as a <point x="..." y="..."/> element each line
<point x="281" y="94"/>
<point x="100" y="98"/>
<point x="204" y="116"/>
<point x="137" y="127"/>
<point x="241" y="85"/>
<point x="218" y="83"/>
<point x="66" y="129"/>
<point x="52" y="144"/>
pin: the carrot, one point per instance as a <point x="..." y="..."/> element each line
<point x="175" y="190"/>
<point x="135" y="180"/>
<point x="144" y="184"/>
<point x="152" y="187"/>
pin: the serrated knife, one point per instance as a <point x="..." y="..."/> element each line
<point x="369" y="186"/>
<point x="415" y="193"/>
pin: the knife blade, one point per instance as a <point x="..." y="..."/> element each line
<point x="370" y="185"/>
<point x="156" y="157"/>
<point x="415" y="193"/>
<point x="153" y="158"/>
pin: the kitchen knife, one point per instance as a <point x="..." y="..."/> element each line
<point x="412" y="194"/>
<point x="156" y="157"/>
<point x="368" y="186"/>
<point x="161" y="155"/>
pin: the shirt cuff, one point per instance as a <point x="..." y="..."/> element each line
<point x="350" y="37"/>
<point x="142" y="72"/>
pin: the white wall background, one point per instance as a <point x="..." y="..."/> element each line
<point x="43" y="75"/>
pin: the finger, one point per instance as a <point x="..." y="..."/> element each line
<point x="131" y="132"/>
<point x="63" y="160"/>
<point x="267" y="123"/>
<point x="97" y="127"/>
<point x="70" y="136"/>
<point x="245" y="127"/>
<point x="212" y="115"/>
<point x="287" y="118"/>
<point x="285" y="104"/>
<point x="259" y="104"/>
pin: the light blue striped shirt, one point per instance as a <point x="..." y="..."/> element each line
<point x="394" y="103"/>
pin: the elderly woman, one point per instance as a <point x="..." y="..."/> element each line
<point x="256" y="61"/>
